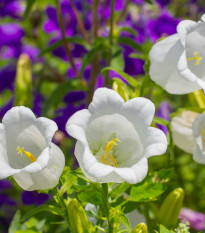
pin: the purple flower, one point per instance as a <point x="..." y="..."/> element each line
<point x="7" y="76"/>
<point x="163" y="3"/>
<point x="164" y="25"/>
<point x="11" y="33"/>
<point x="5" y="184"/>
<point x="196" y="219"/>
<point x="12" y="8"/>
<point x="33" y="197"/>
<point x="163" y="112"/>
<point x="69" y="19"/>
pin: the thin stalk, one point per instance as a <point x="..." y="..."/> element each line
<point x="65" y="43"/>
<point x="106" y="207"/>
<point x="95" y="61"/>
<point x="80" y="22"/>
<point x="123" y="12"/>
<point x="110" y="39"/>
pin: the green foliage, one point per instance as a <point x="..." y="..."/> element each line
<point x="151" y="187"/>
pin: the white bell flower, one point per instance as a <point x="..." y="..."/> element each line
<point x="178" y="61"/>
<point x="199" y="136"/>
<point x="26" y="150"/>
<point x="114" y="139"/>
<point x="182" y="135"/>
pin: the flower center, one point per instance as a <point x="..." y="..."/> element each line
<point x="196" y="57"/>
<point x="26" y="153"/>
<point x="107" y="158"/>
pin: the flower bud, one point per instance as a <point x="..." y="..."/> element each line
<point x="23" y="85"/>
<point x="197" y="98"/>
<point x="78" y="220"/>
<point x="169" y="211"/>
<point x="140" y="228"/>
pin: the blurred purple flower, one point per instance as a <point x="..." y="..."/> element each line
<point x="69" y="19"/>
<point x="33" y="197"/>
<point x="163" y="112"/>
<point x="5" y="184"/>
<point x="163" y="3"/>
<point x="12" y="8"/>
<point x="7" y="76"/>
<point x="196" y="219"/>
<point x="12" y="32"/>
<point x="164" y="25"/>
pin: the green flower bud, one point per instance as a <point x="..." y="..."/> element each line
<point x="169" y="211"/>
<point x="23" y="85"/>
<point x="78" y="219"/>
<point x="197" y="98"/>
<point x="140" y="228"/>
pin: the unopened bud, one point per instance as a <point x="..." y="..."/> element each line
<point x="78" y="219"/>
<point x="140" y="228"/>
<point x="169" y="211"/>
<point x="23" y="82"/>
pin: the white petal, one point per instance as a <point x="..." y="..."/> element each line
<point x="18" y="118"/>
<point x="184" y="27"/>
<point x="77" y="125"/>
<point x="101" y="173"/>
<point x="203" y="17"/>
<point x="105" y="101"/>
<point x="5" y="168"/>
<point x="139" y="111"/>
<point x="48" y="177"/>
<point x="164" y="57"/>
<point x="47" y="128"/>
<point x="155" y="142"/>
<point x="182" y="134"/>
<point x="198" y="124"/>
<point x="199" y="155"/>
<point x="40" y="163"/>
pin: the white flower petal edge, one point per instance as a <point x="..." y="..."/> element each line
<point x="181" y="126"/>
<point x="198" y="128"/>
<point x="173" y="59"/>
<point x="107" y="119"/>
<point x="21" y="129"/>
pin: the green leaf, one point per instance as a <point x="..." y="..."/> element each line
<point x="128" y="29"/>
<point x="130" y="42"/>
<point x="15" y="223"/>
<point x="28" y="231"/>
<point x="119" y="189"/>
<point x="158" y="120"/>
<point x="49" y="208"/>
<point x="149" y="1"/>
<point x="127" y="77"/>
<point x="71" y="179"/>
<point x="117" y="58"/>
<point x="164" y="230"/>
<point x="89" y="56"/>
<point x="28" y="8"/>
<point x="152" y="186"/>
<point x="73" y="39"/>
<point x="57" y="95"/>
<point x="91" y="196"/>
<point x="118" y="216"/>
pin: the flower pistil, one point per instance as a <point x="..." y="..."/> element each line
<point x="26" y="153"/>
<point x="196" y="57"/>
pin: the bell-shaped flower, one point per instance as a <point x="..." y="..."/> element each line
<point x="177" y="62"/>
<point x="26" y="150"/>
<point x="114" y="139"/>
<point x="181" y="126"/>
<point x="198" y="128"/>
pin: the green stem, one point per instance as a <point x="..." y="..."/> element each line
<point x="106" y="207"/>
<point x="148" y="220"/>
<point x="110" y="40"/>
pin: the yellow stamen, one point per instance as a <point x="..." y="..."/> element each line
<point x="196" y="57"/>
<point x="111" y="144"/>
<point x="26" y="153"/>
<point x="109" y="159"/>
